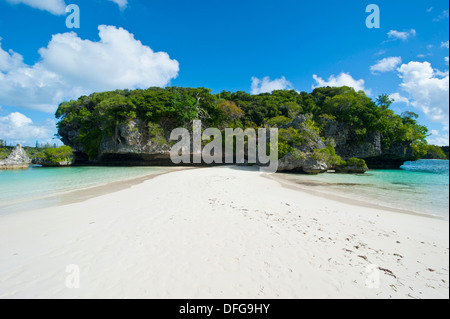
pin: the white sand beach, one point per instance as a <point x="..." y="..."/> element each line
<point x="223" y="232"/>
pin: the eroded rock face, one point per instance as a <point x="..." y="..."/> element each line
<point x="18" y="159"/>
<point x="47" y="163"/>
<point x="133" y="138"/>
<point x="304" y="164"/>
<point x="300" y="160"/>
<point x="351" y="170"/>
<point x="350" y="145"/>
<point x="133" y="144"/>
<point x="369" y="147"/>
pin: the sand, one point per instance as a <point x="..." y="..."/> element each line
<point x="223" y="232"/>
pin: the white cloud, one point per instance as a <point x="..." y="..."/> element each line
<point x="71" y="66"/>
<point x="443" y="16"/>
<point x="57" y="7"/>
<point x="444" y="45"/>
<point x="386" y="65"/>
<point x="437" y="139"/>
<point x="399" y="98"/>
<point x="446" y="60"/>
<point x="401" y="35"/>
<point x="430" y="9"/>
<point x="343" y="79"/>
<point x="121" y="3"/>
<point x="266" y="85"/>
<point x="428" y="89"/>
<point x="16" y="128"/>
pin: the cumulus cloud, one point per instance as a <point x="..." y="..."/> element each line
<point x="16" y="128"/>
<point x="57" y="7"/>
<point x="343" y="79"/>
<point x="444" y="45"/>
<point x="266" y="85"/>
<point x="386" y="65"/>
<point x="427" y="89"/>
<point x="116" y="61"/>
<point x="401" y="35"/>
<point x="439" y="139"/>
<point x="398" y="98"/>
<point x="71" y="66"/>
<point x="121" y="3"/>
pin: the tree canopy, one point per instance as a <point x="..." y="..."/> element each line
<point x="99" y="114"/>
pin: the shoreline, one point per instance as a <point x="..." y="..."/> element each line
<point x="223" y="233"/>
<point x="339" y="197"/>
<point x="80" y="195"/>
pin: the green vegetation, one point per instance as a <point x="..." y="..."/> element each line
<point x="353" y="162"/>
<point x="328" y="156"/>
<point x="60" y="154"/>
<point x="445" y="149"/>
<point x="4" y="153"/>
<point x="162" y="110"/>
<point x="32" y="152"/>
<point x="434" y="152"/>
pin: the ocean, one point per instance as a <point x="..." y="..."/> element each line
<point x="421" y="187"/>
<point x="37" y="187"/>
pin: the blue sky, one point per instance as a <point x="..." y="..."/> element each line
<point x="253" y="46"/>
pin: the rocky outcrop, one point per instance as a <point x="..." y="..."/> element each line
<point x="353" y="169"/>
<point x="368" y="147"/>
<point x="392" y="158"/>
<point x="46" y="163"/>
<point x="134" y="144"/>
<point x="301" y="164"/>
<point x="18" y="159"/>
<point x="301" y="158"/>
<point x="349" y="145"/>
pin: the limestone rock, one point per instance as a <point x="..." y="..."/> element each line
<point x="300" y="160"/>
<point x="369" y="147"/>
<point x="351" y="170"/>
<point x="18" y="159"/>
<point x="46" y="163"/>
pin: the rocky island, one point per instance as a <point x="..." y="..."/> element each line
<point x="318" y="131"/>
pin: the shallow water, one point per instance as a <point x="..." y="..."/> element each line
<point x="421" y="186"/>
<point x="21" y="186"/>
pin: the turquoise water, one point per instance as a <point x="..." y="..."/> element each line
<point x="21" y="186"/>
<point x="421" y="186"/>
